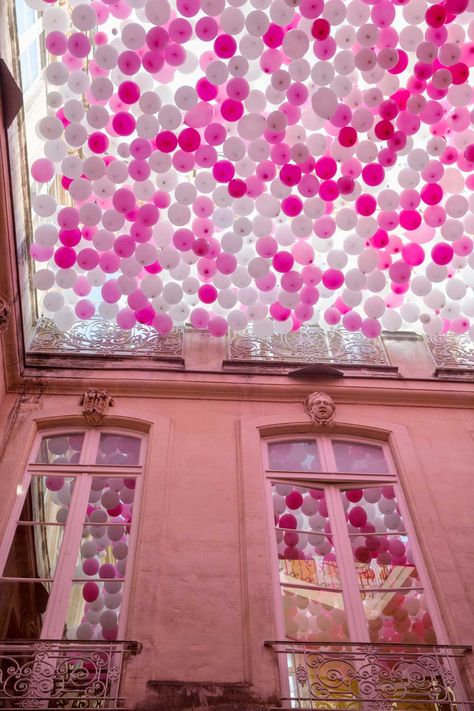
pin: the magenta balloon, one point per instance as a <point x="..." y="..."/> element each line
<point x="442" y="253"/>
<point x="283" y="261"/>
<point x="90" y="566"/>
<point x="90" y="592"/>
<point x="54" y="483"/>
<point x="358" y="516"/>
<point x="294" y="500"/>
<point x="107" y="571"/>
<point x="287" y="521"/>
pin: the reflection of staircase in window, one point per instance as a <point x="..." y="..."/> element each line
<point x="373" y="677"/>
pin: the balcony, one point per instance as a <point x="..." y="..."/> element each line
<point x="352" y="352"/>
<point x="58" y="674"/>
<point x="372" y="677"/>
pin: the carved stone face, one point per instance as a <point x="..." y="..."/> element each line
<point x="321" y="409"/>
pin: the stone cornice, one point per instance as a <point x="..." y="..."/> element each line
<point x="258" y="388"/>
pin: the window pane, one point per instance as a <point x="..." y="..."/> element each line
<point x="315" y="616"/>
<point x="372" y="510"/>
<point x="103" y="546"/>
<point x="379" y="564"/>
<point x="48" y="499"/>
<point x="25" y="16"/>
<point x="300" y="508"/>
<point x="34" y="552"/>
<point x="296" y="456"/>
<point x="118" y="449"/>
<point x="94" y="610"/>
<point x="397" y="617"/>
<point x="359" y="458"/>
<point x="60" y="449"/>
<point x="111" y="499"/>
<point x="308" y="559"/>
<point x="22" y="606"/>
<point x="382" y="557"/>
<point x="102" y="560"/>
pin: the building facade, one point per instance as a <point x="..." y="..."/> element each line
<point x="238" y="523"/>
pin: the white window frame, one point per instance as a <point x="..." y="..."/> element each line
<point x="333" y="482"/>
<point x="83" y="472"/>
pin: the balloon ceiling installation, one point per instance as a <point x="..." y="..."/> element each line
<point x="272" y="162"/>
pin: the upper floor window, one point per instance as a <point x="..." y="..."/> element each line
<point x="29" y="31"/>
<point x="347" y="561"/>
<point x="65" y="559"/>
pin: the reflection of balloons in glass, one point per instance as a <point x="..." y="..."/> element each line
<point x="113" y="600"/>
<point x="90" y="566"/>
<point x="358" y="516"/>
<point x="54" y="483"/>
<point x="90" y="592"/>
<point x="84" y="631"/>
<point x="88" y="549"/>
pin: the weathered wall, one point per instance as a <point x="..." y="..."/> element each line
<point x="202" y="602"/>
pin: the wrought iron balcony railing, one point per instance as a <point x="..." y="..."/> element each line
<point x="372" y="677"/>
<point x="58" y="674"/>
<point x="311" y="344"/>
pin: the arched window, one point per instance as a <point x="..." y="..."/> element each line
<point x="348" y="568"/>
<point x="65" y="558"/>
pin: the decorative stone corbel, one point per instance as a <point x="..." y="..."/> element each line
<point x="321" y="409"/>
<point x="95" y="405"/>
<point x="5" y="314"/>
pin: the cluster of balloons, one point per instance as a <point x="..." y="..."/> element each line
<point x="375" y="526"/>
<point x="263" y="162"/>
<point x="379" y="545"/>
<point x="402" y="618"/>
<point x="104" y="548"/>
<point x="60" y="449"/>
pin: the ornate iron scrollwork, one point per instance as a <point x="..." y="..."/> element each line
<point x="311" y="344"/>
<point x="450" y="351"/>
<point x="98" y="336"/>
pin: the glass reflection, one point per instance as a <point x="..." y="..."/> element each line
<point x="122" y="450"/>
<point x="102" y="560"/>
<point x="34" y="551"/>
<point x="315" y="616"/>
<point x="310" y="559"/>
<point x="398" y="617"/>
<point x="380" y="545"/>
<point x="94" y="610"/>
<point x="295" y="456"/>
<point x="60" y="449"/>
<point x="22" y="608"/>
<point x="300" y="508"/>
<point x="359" y="458"/>
<point x="48" y="499"/>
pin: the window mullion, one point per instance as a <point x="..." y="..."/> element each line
<point x="345" y="561"/>
<point x="90" y="447"/>
<point x="328" y="454"/>
<point x="57" y="607"/>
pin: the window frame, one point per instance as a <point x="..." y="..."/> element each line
<point x="333" y="482"/>
<point x="83" y="473"/>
